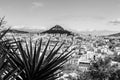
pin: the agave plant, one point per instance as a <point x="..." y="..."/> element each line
<point x="33" y="63"/>
<point x="4" y="45"/>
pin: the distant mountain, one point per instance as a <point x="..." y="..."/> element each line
<point x="57" y="29"/>
<point x="61" y="30"/>
<point x="27" y="29"/>
<point x="98" y="33"/>
<point x="114" y="35"/>
<point x="31" y="30"/>
<point x="16" y="31"/>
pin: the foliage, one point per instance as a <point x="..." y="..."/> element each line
<point x="4" y="45"/>
<point x="2" y="22"/>
<point x="101" y="69"/>
<point x="116" y="74"/>
<point x="31" y="63"/>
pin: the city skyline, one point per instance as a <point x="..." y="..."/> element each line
<point x="73" y="14"/>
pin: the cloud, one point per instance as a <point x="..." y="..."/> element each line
<point x="115" y="22"/>
<point x="37" y="4"/>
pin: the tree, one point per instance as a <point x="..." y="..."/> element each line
<point x="2" y="22"/>
<point x="101" y="69"/>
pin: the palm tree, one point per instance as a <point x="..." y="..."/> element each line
<point x="31" y="63"/>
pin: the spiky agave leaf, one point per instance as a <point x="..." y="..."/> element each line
<point x="5" y="42"/>
<point x="4" y="45"/>
<point x="38" y="65"/>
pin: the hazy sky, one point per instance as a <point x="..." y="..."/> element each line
<point x="73" y="14"/>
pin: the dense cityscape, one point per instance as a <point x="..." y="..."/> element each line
<point x="93" y="57"/>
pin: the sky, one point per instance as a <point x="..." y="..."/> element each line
<point x="70" y="14"/>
